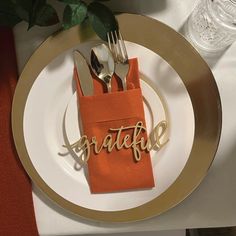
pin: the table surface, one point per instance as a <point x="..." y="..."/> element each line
<point x="213" y="203"/>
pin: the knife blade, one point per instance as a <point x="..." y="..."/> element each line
<point x="85" y="78"/>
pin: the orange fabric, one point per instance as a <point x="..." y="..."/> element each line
<point x="16" y="205"/>
<point x="118" y="170"/>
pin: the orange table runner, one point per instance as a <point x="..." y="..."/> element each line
<point x="16" y="205"/>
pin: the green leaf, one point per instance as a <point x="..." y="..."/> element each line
<point x="71" y="1"/>
<point x="36" y="12"/>
<point x="22" y="13"/>
<point x="74" y="14"/>
<point x="46" y="15"/>
<point x="23" y="9"/>
<point x="36" y="7"/>
<point x="102" y="19"/>
<point x="8" y="19"/>
<point x="25" y="4"/>
<point x="8" y="16"/>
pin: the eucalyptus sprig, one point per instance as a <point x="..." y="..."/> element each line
<point x="39" y="12"/>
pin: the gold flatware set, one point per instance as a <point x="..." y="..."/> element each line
<point x="105" y="60"/>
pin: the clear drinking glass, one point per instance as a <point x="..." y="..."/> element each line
<point x="212" y="25"/>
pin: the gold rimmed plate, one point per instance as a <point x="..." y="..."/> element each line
<point x="184" y="82"/>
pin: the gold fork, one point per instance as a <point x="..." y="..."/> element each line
<point x="119" y="52"/>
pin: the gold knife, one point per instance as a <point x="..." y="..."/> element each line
<point x="85" y="78"/>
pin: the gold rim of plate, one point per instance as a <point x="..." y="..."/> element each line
<point x="197" y="78"/>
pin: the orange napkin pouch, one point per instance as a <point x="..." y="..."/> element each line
<point x="104" y="114"/>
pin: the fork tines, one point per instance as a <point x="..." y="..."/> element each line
<point x="117" y="46"/>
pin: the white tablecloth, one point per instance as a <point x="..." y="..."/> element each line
<point x="213" y="203"/>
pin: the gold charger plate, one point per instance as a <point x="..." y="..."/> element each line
<point x="194" y="73"/>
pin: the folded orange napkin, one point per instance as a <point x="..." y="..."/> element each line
<point x="16" y="205"/>
<point x="116" y="170"/>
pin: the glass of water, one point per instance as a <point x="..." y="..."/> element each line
<point x="211" y="27"/>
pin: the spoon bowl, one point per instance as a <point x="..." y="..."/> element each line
<point x="103" y="64"/>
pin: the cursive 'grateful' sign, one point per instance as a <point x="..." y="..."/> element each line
<point x="135" y="141"/>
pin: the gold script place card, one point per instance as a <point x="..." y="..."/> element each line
<point x="83" y="147"/>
